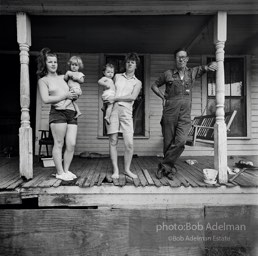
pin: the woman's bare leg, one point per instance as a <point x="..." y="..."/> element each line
<point x="113" y="140"/>
<point x="70" y="142"/>
<point x="58" y="132"/>
<point x="128" y="140"/>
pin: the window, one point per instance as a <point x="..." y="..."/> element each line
<point x="139" y="103"/>
<point x="235" y="94"/>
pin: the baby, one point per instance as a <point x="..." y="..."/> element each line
<point x="74" y="79"/>
<point x="109" y="89"/>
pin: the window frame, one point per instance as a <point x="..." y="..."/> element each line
<point x="145" y="87"/>
<point x="247" y="79"/>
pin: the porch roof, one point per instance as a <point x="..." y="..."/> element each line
<point x="127" y="7"/>
<point x="143" y="34"/>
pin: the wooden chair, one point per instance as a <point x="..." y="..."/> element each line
<point x="202" y="129"/>
<point x="46" y="139"/>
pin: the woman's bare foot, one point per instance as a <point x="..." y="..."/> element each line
<point x="130" y="174"/>
<point x="115" y="176"/>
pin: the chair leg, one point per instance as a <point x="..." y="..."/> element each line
<point x="47" y="150"/>
<point x="39" y="152"/>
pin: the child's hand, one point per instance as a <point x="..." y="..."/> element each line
<point x="110" y="99"/>
<point x="71" y="95"/>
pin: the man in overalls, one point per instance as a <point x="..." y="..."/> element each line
<point x="176" y="117"/>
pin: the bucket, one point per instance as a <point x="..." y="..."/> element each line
<point x="210" y="176"/>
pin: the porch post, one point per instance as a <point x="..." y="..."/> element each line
<point x="25" y="131"/>
<point x="220" y="132"/>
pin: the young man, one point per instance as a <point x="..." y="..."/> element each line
<point x="127" y="90"/>
<point x="176" y="117"/>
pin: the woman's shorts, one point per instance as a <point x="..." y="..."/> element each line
<point x="62" y="116"/>
<point x="120" y="120"/>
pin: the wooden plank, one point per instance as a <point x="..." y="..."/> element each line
<point x="84" y="174"/>
<point x="15" y="184"/>
<point x="97" y="172"/>
<point x="156" y="181"/>
<point x="194" y="171"/>
<point x="182" y="179"/>
<point x="10" y="181"/>
<point x="97" y="225"/>
<point x="139" y="173"/>
<point x="154" y="161"/>
<point x="38" y="173"/>
<point x="10" y="197"/>
<point x="103" y="172"/>
<point x="5" y="161"/>
<point x="122" y="178"/>
<point x="109" y="172"/>
<point x="136" y="181"/>
<point x="246" y="181"/>
<point x="147" y="176"/>
<point x="175" y="183"/>
<point x="48" y="182"/>
<point x="188" y="174"/>
<point x="91" y="173"/>
<point x="8" y="170"/>
<point x="185" y="175"/>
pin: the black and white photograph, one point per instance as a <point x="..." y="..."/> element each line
<point x="129" y="128"/>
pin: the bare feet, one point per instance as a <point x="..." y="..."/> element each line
<point x="130" y="174"/>
<point x="115" y="176"/>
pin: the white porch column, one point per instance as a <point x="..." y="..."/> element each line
<point x="25" y="131"/>
<point x="220" y="132"/>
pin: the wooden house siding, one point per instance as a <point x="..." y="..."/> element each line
<point x="88" y="129"/>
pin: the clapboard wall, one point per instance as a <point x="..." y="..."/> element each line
<point x="88" y="125"/>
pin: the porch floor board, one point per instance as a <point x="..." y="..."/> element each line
<point x="98" y="171"/>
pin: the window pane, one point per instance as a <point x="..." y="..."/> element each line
<point x="234" y="94"/>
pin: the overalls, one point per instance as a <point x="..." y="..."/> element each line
<point x="176" y="118"/>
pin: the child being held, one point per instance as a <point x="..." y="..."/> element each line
<point x="109" y="89"/>
<point x="74" y="78"/>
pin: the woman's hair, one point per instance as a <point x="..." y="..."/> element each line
<point x="133" y="56"/>
<point x="108" y="65"/>
<point x="42" y="58"/>
<point x="76" y="59"/>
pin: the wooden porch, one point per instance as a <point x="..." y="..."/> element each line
<point x="95" y="187"/>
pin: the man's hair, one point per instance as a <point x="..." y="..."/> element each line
<point x="133" y="56"/>
<point x="179" y="50"/>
